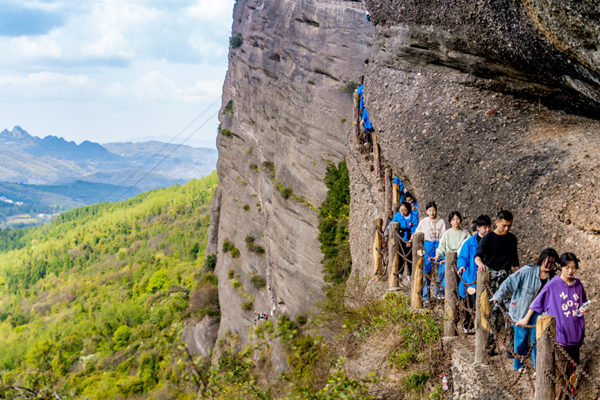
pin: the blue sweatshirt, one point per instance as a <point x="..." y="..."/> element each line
<point x="408" y="225"/>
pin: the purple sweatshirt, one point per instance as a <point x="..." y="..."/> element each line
<point x="561" y="300"/>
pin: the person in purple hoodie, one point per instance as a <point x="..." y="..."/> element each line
<point x="561" y="298"/>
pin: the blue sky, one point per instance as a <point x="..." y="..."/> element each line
<point x="111" y="70"/>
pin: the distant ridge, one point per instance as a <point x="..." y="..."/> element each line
<point x="61" y="149"/>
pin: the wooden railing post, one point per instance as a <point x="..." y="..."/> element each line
<point x="388" y="193"/>
<point x="482" y="317"/>
<point x="451" y="294"/>
<point x="376" y="152"/>
<point x="396" y="198"/>
<point x="393" y="257"/>
<point x="356" y="116"/>
<point x="544" y="387"/>
<point x="377" y="259"/>
<point x="418" y="239"/>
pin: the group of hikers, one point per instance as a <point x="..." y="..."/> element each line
<point x="547" y="286"/>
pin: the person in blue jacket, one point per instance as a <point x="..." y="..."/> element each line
<point x="467" y="268"/>
<point x="405" y="196"/>
<point x="367" y="126"/>
<point x="408" y="224"/>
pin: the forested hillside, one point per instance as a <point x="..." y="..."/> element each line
<point x="90" y="304"/>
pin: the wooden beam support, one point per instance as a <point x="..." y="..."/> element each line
<point x="418" y="240"/>
<point x="393" y="257"/>
<point x="544" y="387"/>
<point x="451" y="294"/>
<point x="388" y="193"/>
<point x="482" y="317"/>
<point x="377" y="259"/>
<point x="395" y="198"/>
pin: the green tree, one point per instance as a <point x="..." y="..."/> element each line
<point x="122" y="336"/>
<point x="158" y="281"/>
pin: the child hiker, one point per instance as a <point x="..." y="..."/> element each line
<point x="433" y="228"/>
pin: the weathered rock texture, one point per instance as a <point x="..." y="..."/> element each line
<point x="290" y="112"/>
<point x="201" y="336"/>
<point x="484" y="105"/>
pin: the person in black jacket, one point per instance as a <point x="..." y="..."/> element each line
<point x="497" y="252"/>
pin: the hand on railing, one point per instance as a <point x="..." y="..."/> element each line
<point x="461" y="270"/>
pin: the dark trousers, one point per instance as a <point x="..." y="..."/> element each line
<point x="564" y="367"/>
<point x="408" y="252"/>
<point x="469" y="302"/>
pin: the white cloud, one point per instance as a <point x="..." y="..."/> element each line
<point x="126" y="30"/>
<point x="132" y="60"/>
<point x="153" y="86"/>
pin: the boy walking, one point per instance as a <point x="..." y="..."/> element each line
<point x="497" y="252"/>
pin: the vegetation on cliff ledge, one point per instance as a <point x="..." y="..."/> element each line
<point x="333" y="225"/>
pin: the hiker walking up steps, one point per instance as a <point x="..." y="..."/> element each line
<point x="408" y="224"/>
<point x="452" y="239"/>
<point x="524" y="286"/>
<point x="468" y="269"/>
<point x="433" y="228"/>
<point x="405" y="196"/>
<point x="497" y="251"/>
<point x="563" y="298"/>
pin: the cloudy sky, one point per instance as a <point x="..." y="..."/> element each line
<point x="109" y="70"/>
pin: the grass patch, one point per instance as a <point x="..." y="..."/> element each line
<point x="286" y="192"/>
<point x="229" y="246"/>
<point x="254" y="167"/>
<point x="247" y="305"/>
<point x="252" y="247"/>
<point x="398" y="338"/>
<point x="350" y="87"/>
<point x="269" y="167"/>
<point x="246" y="208"/>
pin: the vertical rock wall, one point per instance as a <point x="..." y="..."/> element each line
<point x="289" y="112"/>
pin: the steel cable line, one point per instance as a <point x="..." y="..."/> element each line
<point x="168" y="155"/>
<point x="120" y="185"/>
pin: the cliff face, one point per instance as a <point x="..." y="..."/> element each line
<point x="285" y="111"/>
<point x="489" y="105"/>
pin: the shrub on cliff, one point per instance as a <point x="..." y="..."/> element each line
<point x="258" y="281"/>
<point x="236" y="41"/>
<point x="333" y="224"/>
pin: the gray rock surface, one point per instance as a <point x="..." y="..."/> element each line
<point x="290" y="112"/>
<point x="201" y="336"/>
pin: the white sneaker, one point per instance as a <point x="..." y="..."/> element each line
<point x="408" y="278"/>
<point x="466" y="331"/>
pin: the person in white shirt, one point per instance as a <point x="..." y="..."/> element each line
<point x="433" y="228"/>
